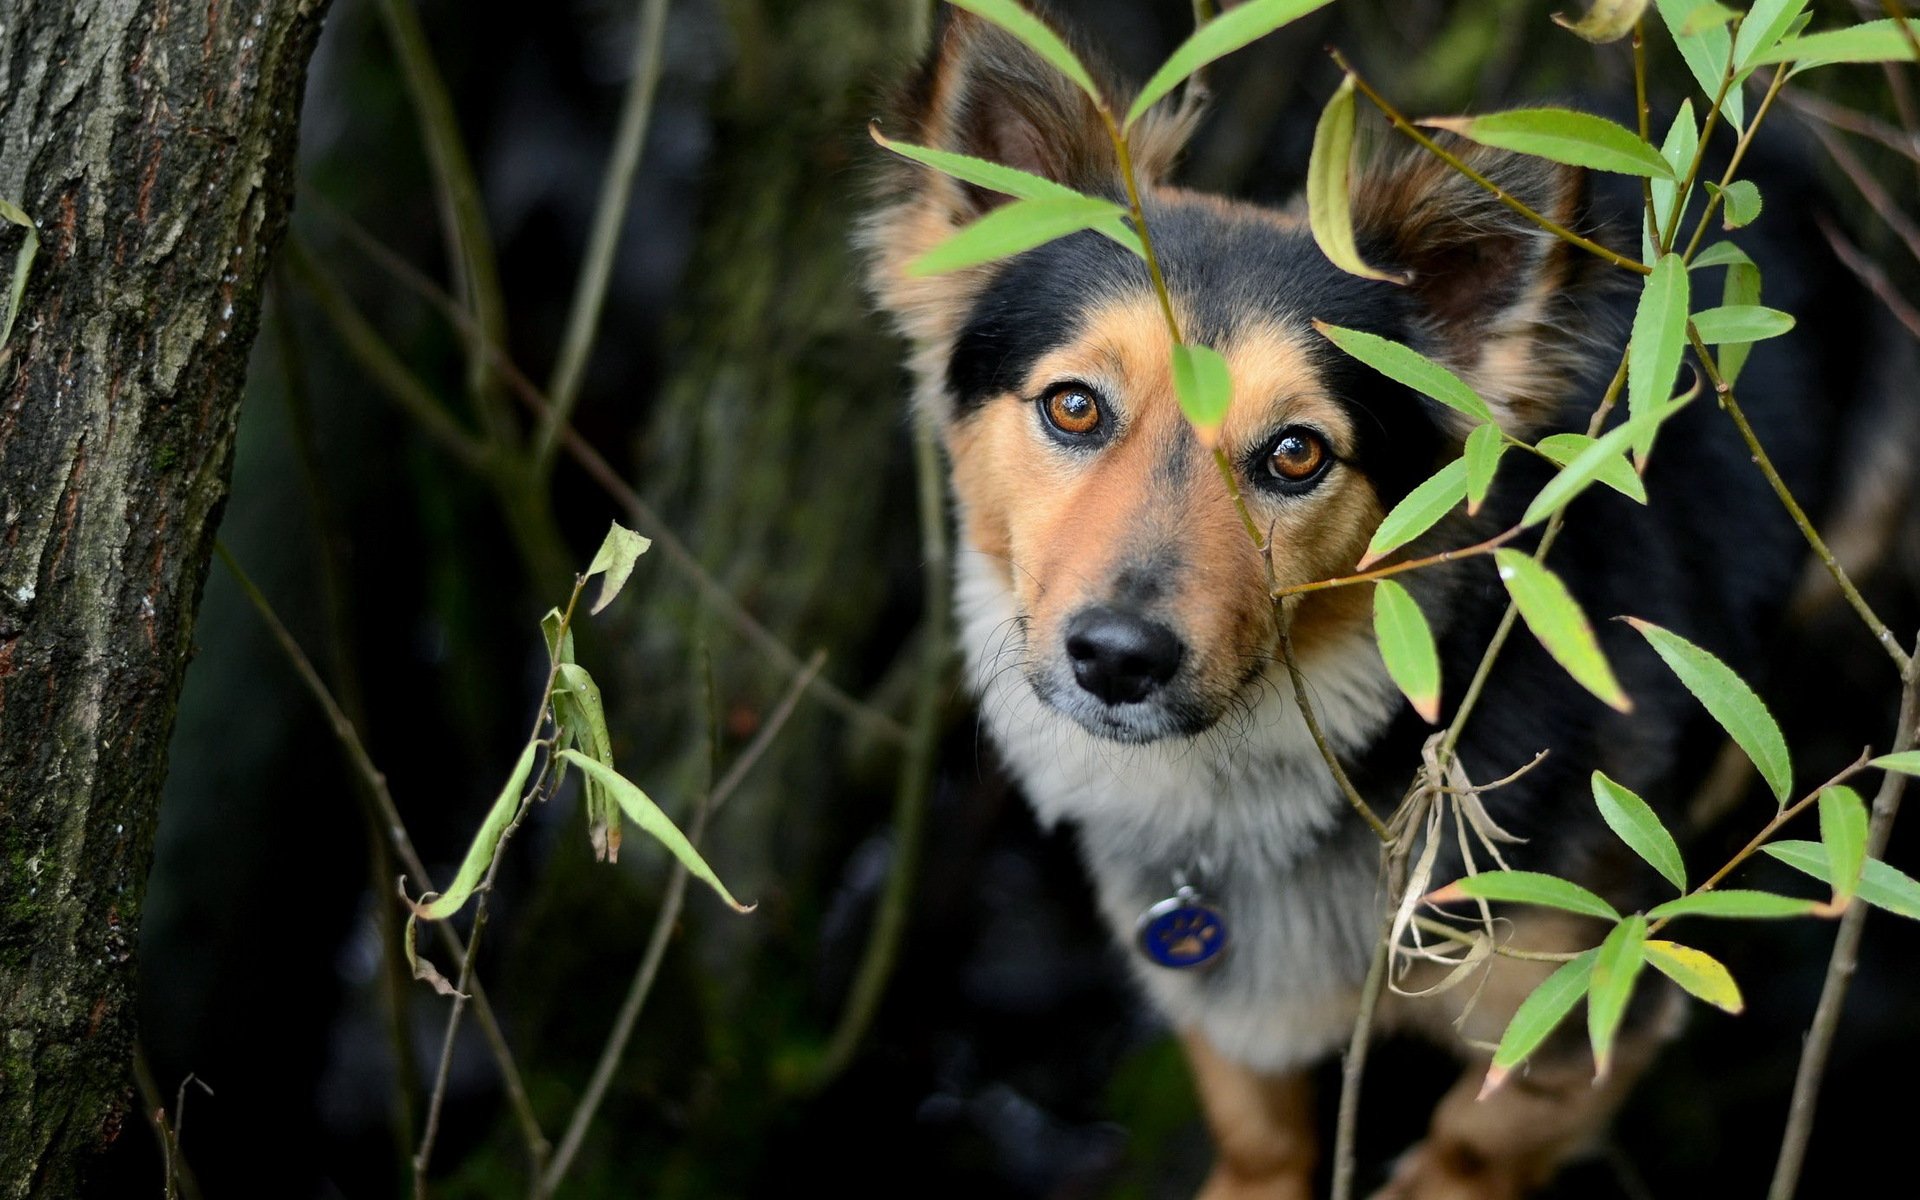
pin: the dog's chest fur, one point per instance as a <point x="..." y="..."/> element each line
<point x="1246" y="812"/>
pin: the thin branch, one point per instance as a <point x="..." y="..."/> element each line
<point x="640" y="514"/>
<point x="1354" y="1065"/>
<point x="1869" y="273"/>
<point x="1845" y="960"/>
<point x="1881" y="633"/>
<point x="179" y="1179"/>
<point x="1305" y="703"/>
<point x="376" y="781"/>
<point x="916" y="774"/>
<point x="590" y="291"/>
<point x="1499" y="193"/>
<point x="663" y="927"/>
<point x="1462" y="937"/>
<point x="1413" y="564"/>
<point x="1819" y="108"/>
<point x="463" y="215"/>
<point x="1871" y="190"/>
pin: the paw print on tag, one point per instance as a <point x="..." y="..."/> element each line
<point x="1182" y="931"/>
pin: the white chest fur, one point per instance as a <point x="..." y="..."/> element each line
<point x="1246" y="810"/>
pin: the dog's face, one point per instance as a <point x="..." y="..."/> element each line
<point x="1141" y="600"/>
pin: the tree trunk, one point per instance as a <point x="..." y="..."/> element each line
<point x="151" y="141"/>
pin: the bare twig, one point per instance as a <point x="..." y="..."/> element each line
<point x="1354" y="800"/>
<point x="590" y="291"/>
<point x="349" y="739"/>
<point x="663" y="926"/>
<point x="1869" y="273"/>
<point x="1845" y="960"/>
<point x="1400" y="568"/>
<point x="1819" y="108"/>
<point x="1871" y="190"/>
<point x="179" y="1180"/>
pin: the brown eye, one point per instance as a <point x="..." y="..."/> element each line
<point x="1072" y="409"/>
<point x="1298" y="455"/>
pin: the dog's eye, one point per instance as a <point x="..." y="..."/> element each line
<point x="1298" y="456"/>
<point x="1073" y="409"/>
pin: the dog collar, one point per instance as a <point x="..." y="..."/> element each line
<point x="1183" y="931"/>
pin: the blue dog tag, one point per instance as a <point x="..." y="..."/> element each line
<point x="1182" y="931"/>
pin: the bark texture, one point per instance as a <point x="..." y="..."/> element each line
<point x="151" y="141"/>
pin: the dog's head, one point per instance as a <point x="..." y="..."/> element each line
<point x="1141" y="598"/>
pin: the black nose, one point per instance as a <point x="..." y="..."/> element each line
<point x="1120" y="657"/>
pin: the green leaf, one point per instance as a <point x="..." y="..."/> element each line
<point x="1883" y="886"/>
<point x="1597" y="460"/>
<point x="1740" y="201"/>
<point x="1740" y="323"/>
<point x="1614" y="970"/>
<point x="1708" y="14"/>
<point x="1006" y="180"/>
<point x="582" y="717"/>
<point x="1721" y="254"/>
<point x="1741" y="290"/>
<point x="473" y="868"/>
<point x="1231" y="30"/>
<point x="1907" y="762"/>
<point x="1606" y="20"/>
<point x="1527" y="887"/>
<point x="1613" y="469"/>
<point x="621" y="548"/>
<point x="1551" y="612"/>
<point x="1037" y="37"/>
<point x="1698" y="972"/>
<point x="1767" y="21"/>
<point x="1485" y="445"/>
<point x="642" y="811"/>
<point x="553" y="627"/>
<point x="1538" y="1016"/>
<point x="1659" y="338"/>
<point x="1871" y="41"/>
<point x="1562" y="135"/>
<point x="1418" y="512"/>
<point x="1707" y="54"/>
<point x="22" y="265"/>
<point x="1404" y="364"/>
<point x="1733" y="902"/>
<point x="1205" y="389"/>
<point x="1406" y="646"/>
<point x="1731" y="702"/>
<point x="1634" y="820"/>
<point x="1329" y="175"/>
<point x="1012" y="229"/>
<point x="1683" y="140"/>
<point x="1843" y="831"/>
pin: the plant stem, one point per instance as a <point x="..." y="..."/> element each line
<point x="1845" y="959"/>
<point x="1354" y="1065"/>
<point x="1495" y="190"/>
<point x="1462" y="937"/>
<point x="1899" y="18"/>
<point x="663" y="926"/>
<point x="1413" y="564"/>
<point x="590" y="291"/>
<point x="1354" y="799"/>
<point x="1733" y="164"/>
<point x="1731" y="406"/>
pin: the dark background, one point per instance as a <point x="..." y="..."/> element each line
<point x="742" y="384"/>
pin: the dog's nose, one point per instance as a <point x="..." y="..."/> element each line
<point x="1120" y="657"/>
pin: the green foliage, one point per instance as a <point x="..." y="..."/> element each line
<point x="1036" y="36"/>
<point x="1871" y="41"/>
<point x="1606" y="20"/>
<point x="1329" y="177"/>
<point x="1485" y="445"/>
<point x="1679" y="148"/>
<point x="1740" y="323"/>
<point x="1732" y="902"/>
<point x="1740" y="201"/>
<point x="1205" y="389"/>
<point x="1615" y="968"/>
<point x="1403" y="364"/>
<point x="619" y="550"/>
<point x="1013" y="228"/>
<point x="1659" y="337"/>
<point x="1555" y="618"/>
<point x="1539" y="1015"/>
<point x="1564" y="136"/>
<point x="1843" y="833"/>
<point x="1406" y="646"/>
<point x="1737" y="708"/>
<point x="1883" y="886"/>
<point x="1231" y="30"/>
<point x="1599" y="461"/>
<point x="1634" y="820"/>
<point x="22" y="265"/>
<point x="1528" y="887"/>
<point x="1610" y="468"/>
<point x="1418" y="511"/>
<point x="1707" y="53"/>
<point x="642" y="811"/>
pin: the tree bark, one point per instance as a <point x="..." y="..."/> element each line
<point x="152" y="142"/>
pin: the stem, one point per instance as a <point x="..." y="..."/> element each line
<point x="1124" y="153"/>
<point x="376" y="782"/>
<point x="1651" y="218"/>
<point x="1413" y="564"/>
<point x="1902" y="661"/>
<point x="915" y="780"/>
<point x="1843" y="963"/>
<point x="663" y="927"/>
<point x="1707" y="124"/>
<point x="1733" y="164"/>
<point x="1462" y="937"/>
<point x="1347" y="789"/>
<point x="1353" y="1066"/>
<point x="590" y="291"/>
<point x="1899" y="18"/>
<point x="1495" y="190"/>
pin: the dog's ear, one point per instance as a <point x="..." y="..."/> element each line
<point x="1494" y="291"/>
<point x="983" y="93"/>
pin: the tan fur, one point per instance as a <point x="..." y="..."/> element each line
<point x="1263" y="1126"/>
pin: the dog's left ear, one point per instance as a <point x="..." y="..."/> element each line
<point x="983" y="93"/>
<point x="1495" y="293"/>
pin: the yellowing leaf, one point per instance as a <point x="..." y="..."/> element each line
<point x="1698" y="972"/>
<point x="1606" y="20"/>
<point x="1329" y="175"/>
<point x="619" y="550"/>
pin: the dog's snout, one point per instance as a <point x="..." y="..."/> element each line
<point x="1121" y="657"/>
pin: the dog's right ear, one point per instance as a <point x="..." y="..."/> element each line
<point x="983" y="93"/>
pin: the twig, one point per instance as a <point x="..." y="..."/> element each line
<point x="463" y="216"/>
<point x="179" y="1178"/>
<point x="590" y="291"/>
<point x="663" y="927"/>
<point x="1881" y="633"/>
<point x="1413" y="564"/>
<point x="916" y="775"/>
<point x="1845" y="960"/>
<point x="1499" y="193"/>
<point x="1871" y="190"/>
<point x="1733" y="164"/>
<point x="1462" y="937"/>
<point x="1819" y="108"/>
<point x="1869" y="273"/>
<point x="1353" y="797"/>
<point x="640" y="514"/>
<point x="1353" y="1067"/>
<point x="349" y="739"/>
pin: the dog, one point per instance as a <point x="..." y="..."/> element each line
<point x="1119" y="630"/>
